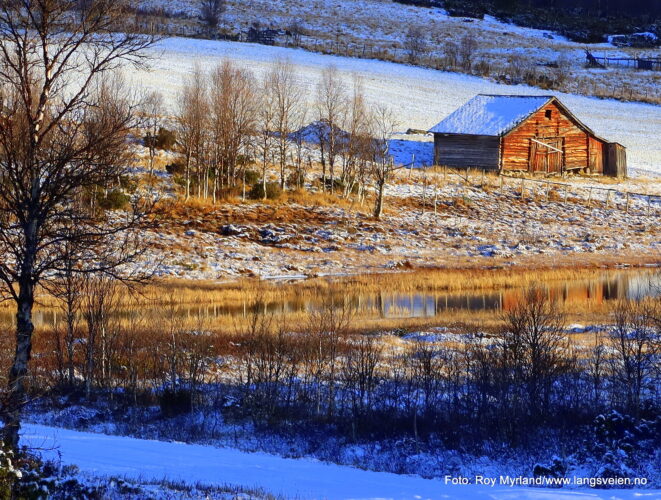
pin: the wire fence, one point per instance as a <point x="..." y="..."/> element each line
<point x="524" y="187"/>
<point x="647" y="63"/>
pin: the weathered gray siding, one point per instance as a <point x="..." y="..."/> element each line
<point x="464" y="151"/>
<point x="616" y="164"/>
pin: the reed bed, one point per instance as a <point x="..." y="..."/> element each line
<point x="225" y="306"/>
<point x="426" y="280"/>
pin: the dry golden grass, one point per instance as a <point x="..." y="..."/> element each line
<point x="225" y="307"/>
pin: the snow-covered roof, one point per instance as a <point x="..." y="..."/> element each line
<point x="490" y="114"/>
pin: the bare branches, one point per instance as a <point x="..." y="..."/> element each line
<point x="211" y="12"/>
<point x="383" y="124"/>
<point x="331" y="105"/>
<point x="415" y="43"/>
<point x="636" y="343"/>
<point x="192" y="119"/>
<point x="63" y="128"/>
<point x="534" y="347"/>
<point x="288" y="107"/>
<point x="153" y="109"/>
<point x="234" y="109"/>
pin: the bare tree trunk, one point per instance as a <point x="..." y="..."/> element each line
<point x="19" y="368"/>
<point x="187" y="177"/>
<point x="378" y="207"/>
<point x="69" y="346"/>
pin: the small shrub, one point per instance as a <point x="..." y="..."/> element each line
<point x="337" y="185"/>
<point x="175" y="402"/>
<point x="228" y="193"/>
<point x="482" y="68"/>
<point x="176" y="168"/>
<point x="251" y="177"/>
<point x="128" y="184"/>
<point x="166" y="139"/>
<point x="114" y="200"/>
<point x="296" y="179"/>
<point x="273" y="191"/>
<point x="555" y="470"/>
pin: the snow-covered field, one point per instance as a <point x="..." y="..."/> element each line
<point x="117" y="456"/>
<point x="420" y="97"/>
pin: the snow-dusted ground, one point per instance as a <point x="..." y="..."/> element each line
<point x="472" y="226"/>
<point x="420" y="97"/>
<point x="118" y="456"/>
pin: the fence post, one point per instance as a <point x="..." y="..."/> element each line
<point x="523" y="186"/>
<point x="501" y="184"/>
<point x="424" y="190"/>
<point x="608" y="195"/>
<point x="590" y="198"/>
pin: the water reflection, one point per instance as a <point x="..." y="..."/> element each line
<point x="604" y="287"/>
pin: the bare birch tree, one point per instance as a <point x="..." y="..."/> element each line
<point x="153" y="109"/>
<point x="287" y="99"/>
<point x="357" y="137"/>
<point x="211" y="12"/>
<point x="67" y="288"/>
<point x="415" y="44"/>
<point x="233" y="110"/>
<point x="331" y="109"/>
<point x="635" y="343"/>
<point x="192" y="127"/>
<point x="62" y="132"/>
<point x="266" y="116"/>
<point x="537" y="347"/>
<point x="100" y="297"/>
<point x="383" y="124"/>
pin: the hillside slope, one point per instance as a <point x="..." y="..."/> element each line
<point x="420" y="97"/>
<point x="379" y="29"/>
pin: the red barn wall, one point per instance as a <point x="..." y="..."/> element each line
<point x="597" y="150"/>
<point x="515" y="146"/>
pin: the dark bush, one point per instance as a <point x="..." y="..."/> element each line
<point x="251" y="177"/>
<point x="176" y="168"/>
<point x="114" y="200"/>
<point x="166" y="139"/>
<point x="296" y="179"/>
<point x="128" y="184"/>
<point x="227" y="193"/>
<point x="175" y="402"/>
<point x="338" y="186"/>
<point x="273" y="191"/>
<point x="556" y="469"/>
<point x="465" y="9"/>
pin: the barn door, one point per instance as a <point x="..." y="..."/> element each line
<point x="546" y="155"/>
<point x="596" y="155"/>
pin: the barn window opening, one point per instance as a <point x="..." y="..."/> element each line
<point x="549" y="114"/>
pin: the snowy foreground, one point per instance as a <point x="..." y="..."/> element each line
<point x="420" y="97"/>
<point x="142" y="459"/>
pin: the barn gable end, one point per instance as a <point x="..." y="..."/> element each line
<point x="550" y="123"/>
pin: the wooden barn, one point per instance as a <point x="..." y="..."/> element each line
<point x="513" y="133"/>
